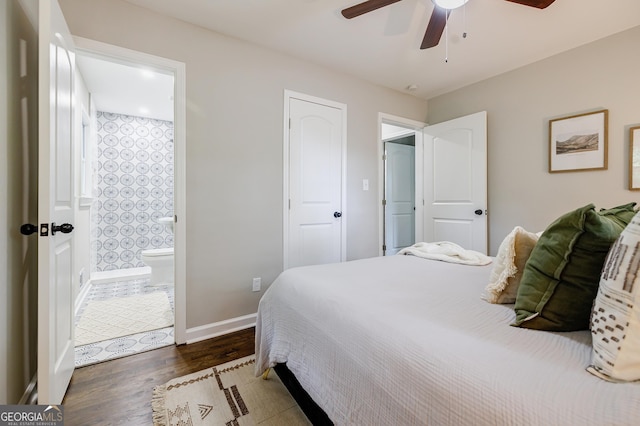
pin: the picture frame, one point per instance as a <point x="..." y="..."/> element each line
<point x="634" y="158"/>
<point x="579" y="142"/>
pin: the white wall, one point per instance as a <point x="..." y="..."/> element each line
<point x="600" y="75"/>
<point x="235" y="93"/>
<point x="82" y="213"/>
<point x="18" y="159"/>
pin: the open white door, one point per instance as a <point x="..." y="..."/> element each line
<point x="399" y="209"/>
<point x="455" y="182"/>
<point x="55" y="204"/>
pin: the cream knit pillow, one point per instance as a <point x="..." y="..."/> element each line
<point x="509" y="265"/>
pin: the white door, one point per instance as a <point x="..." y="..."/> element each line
<point x="55" y="205"/>
<point x="455" y="182"/>
<point x="399" y="211"/>
<point x="315" y="187"/>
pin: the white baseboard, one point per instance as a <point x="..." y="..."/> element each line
<point x="30" y="395"/>
<point x="208" y="331"/>
<point x="120" y="275"/>
<point x="82" y="295"/>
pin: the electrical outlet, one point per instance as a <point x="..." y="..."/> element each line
<point x="256" y="284"/>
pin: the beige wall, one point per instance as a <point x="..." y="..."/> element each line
<point x="234" y="148"/>
<point x="600" y="75"/>
<point x="4" y="240"/>
<point x="18" y="167"/>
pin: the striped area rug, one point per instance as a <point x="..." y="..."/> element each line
<point x="227" y="394"/>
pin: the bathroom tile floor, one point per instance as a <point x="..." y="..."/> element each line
<point x="126" y="345"/>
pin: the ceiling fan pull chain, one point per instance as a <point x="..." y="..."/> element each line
<point x="446" y="40"/>
<point x="464" y="20"/>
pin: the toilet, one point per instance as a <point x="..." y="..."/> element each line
<point x="160" y="260"/>
<point x="161" y="263"/>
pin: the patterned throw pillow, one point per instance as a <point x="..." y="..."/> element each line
<point x="509" y="265"/>
<point x="615" y="318"/>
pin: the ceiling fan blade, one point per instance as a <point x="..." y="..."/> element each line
<point x="540" y="4"/>
<point x="367" y="6"/>
<point x="435" y="28"/>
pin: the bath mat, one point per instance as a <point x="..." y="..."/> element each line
<point x="227" y="394"/>
<point x="123" y="316"/>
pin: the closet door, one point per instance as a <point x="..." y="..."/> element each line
<point x="315" y="212"/>
<point x="399" y="199"/>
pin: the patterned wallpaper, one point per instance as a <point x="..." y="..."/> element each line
<point x="133" y="187"/>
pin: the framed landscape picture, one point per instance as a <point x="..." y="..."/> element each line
<point x="634" y="158"/>
<point x="578" y="142"/>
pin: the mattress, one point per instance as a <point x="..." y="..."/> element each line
<point x="402" y="340"/>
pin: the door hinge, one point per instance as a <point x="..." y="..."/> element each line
<point x="384" y="202"/>
<point x="384" y="248"/>
<point x="384" y="157"/>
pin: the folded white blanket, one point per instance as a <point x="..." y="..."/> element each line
<point x="446" y="251"/>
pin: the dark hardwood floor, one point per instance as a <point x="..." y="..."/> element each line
<point x="119" y="392"/>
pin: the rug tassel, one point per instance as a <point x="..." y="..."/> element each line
<point x="157" y="405"/>
<point x="265" y="375"/>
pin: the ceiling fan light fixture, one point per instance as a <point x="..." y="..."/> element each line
<point x="449" y="4"/>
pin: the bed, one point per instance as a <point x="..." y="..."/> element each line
<point x="403" y="340"/>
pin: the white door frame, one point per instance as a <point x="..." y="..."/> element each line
<point x="288" y="94"/>
<point x="417" y="127"/>
<point x="123" y="55"/>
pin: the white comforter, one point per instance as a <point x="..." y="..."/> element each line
<point x="402" y="340"/>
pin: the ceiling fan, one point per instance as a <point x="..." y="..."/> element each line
<point x="439" y="16"/>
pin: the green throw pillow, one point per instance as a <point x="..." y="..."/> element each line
<point x="561" y="277"/>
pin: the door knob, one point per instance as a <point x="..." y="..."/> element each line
<point x="337" y="214"/>
<point x="478" y="212"/>
<point x="28" y="229"/>
<point x="65" y="228"/>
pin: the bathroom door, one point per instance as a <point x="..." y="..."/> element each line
<point x="314" y="191"/>
<point x="55" y="204"/>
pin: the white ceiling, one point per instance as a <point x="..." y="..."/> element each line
<point x="383" y="46"/>
<point x="127" y="89"/>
